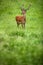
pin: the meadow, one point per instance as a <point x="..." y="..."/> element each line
<point x="20" y="46"/>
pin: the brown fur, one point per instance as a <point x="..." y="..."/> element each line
<point x="21" y="20"/>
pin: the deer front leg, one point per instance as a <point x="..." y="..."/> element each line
<point x="17" y="24"/>
<point x="23" y="25"/>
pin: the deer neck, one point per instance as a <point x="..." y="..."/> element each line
<point x="24" y="15"/>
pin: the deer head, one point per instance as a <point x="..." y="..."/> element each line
<point x="24" y="10"/>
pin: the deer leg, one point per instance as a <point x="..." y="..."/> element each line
<point x="17" y="24"/>
<point x="23" y="25"/>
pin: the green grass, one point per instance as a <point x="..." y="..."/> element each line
<point x="21" y="46"/>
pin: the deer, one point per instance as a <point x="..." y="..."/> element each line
<point x="22" y="19"/>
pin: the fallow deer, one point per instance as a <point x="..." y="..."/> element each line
<point x="22" y="19"/>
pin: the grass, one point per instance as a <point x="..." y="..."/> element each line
<point x="21" y="46"/>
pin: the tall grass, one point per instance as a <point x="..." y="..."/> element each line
<point x="21" y="46"/>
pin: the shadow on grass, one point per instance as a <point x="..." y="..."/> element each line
<point x="33" y="35"/>
<point x="2" y="39"/>
<point x="17" y="33"/>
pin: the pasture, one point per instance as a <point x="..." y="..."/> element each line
<point x="20" y="46"/>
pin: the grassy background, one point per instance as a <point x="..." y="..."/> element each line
<point x="21" y="46"/>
